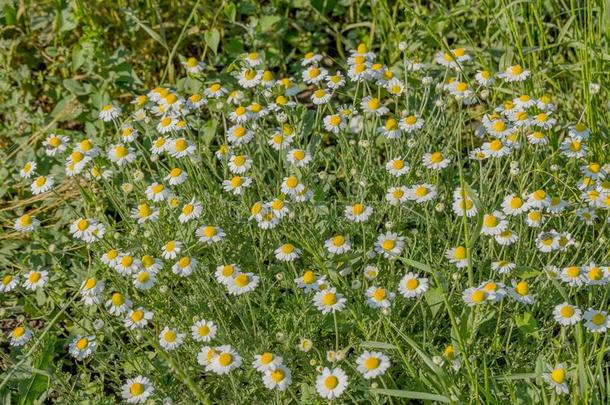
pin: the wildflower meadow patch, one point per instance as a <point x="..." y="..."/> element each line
<point x="350" y="227"/>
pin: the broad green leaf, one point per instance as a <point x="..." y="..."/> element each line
<point x="411" y="394"/>
<point x="378" y="345"/>
<point x="212" y="39"/>
<point x="268" y="21"/>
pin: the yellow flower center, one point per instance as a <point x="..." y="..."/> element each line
<point x="598" y="319"/>
<point x="329" y="299"/>
<point x="460" y="253"/>
<point x="379" y="294"/>
<point x="136" y="389"/>
<point x="137" y="315"/>
<point x="117" y="299"/>
<point x="522" y="288"/>
<point x="82" y="343"/>
<point x="90" y="283"/>
<point x="277" y="375"/>
<point x="331" y="382"/>
<point x="388" y="244"/>
<point x="126" y="261"/>
<point x="372" y="363"/>
<point x="567" y="311"/>
<point x="236" y="181"/>
<point x="121" y="151"/>
<point x="412" y="284"/>
<point x="225" y="359"/>
<point x="266" y="358"/>
<point x="242" y="280"/>
<point x="170" y="336"/>
<point x="203" y="330"/>
<point x="516" y="70"/>
<point x="227" y="270"/>
<point x="373" y="103"/>
<point x="558" y="375"/>
<point x="338" y="240"/>
<point x="18" y="331"/>
<point x="478" y="296"/>
<point x="309" y="277"/>
<point x="490" y="221"/>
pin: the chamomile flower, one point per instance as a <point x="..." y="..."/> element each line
<point x="191" y="210"/>
<point x="484" y="78"/>
<point x="556" y="378"/>
<point x="171" y="249"/>
<point x="144" y="279"/>
<point x="237" y="184"/>
<point x="435" y="161"/>
<point x="309" y="281"/>
<point x="358" y="212"/>
<point x="170" y="338"/>
<point x="8" y="283"/>
<point x="320" y="96"/>
<point x="411" y="123"/>
<point x="19" y="336"/>
<point x="372" y="364"/>
<point x="239" y="164"/>
<point x="266" y="361"/>
<point x="109" y="112"/>
<point x="225" y="360"/>
<point x="390" y="245"/>
<point x="390" y="129"/>
<point x="412" y="285"/>
<point x="176" y="176"/>
<point x="210" y="234"/>
<point x="287" y="252"/>
<point x="379" y="297"/>
<point x="335" y="81"/>
<point x="338" y="244"/>
<point x="118" y="304"/>
<point x="596" y="321"/>
<point x="126" y="264"/>
<point x="573" y="148"/>
<point x="475" y="296"/>
<point x="494" y="224"/>
<point x="314" y="74"/>
<point x="82" y="347"/>
<point x="243" y="283"/>
<point x="226" y="272"/>
<point x="180" y="148"/>
<point x="331" y="383"/>
<point x="329" y="301"/>
<point x="458" y="256"/>
<point x="185" y="266"/>
<point x="503" y="267"/>
<point x="298" y="157"/>
<point x="397" y="167"/>
<point x="55" y="144"/>
<point x="566" y="314"/>
<point x="144" y="212"/>
<point x="373" y="105"/>
<point x="26" y="223"/>
<point x="35" y="279"/>
<point x="334" y="123"/>
<point x="137" y="318"/>
<point x="203" y="331"/>
<point x="249" y="77"/>
<point x="421" y="193"/>
<point x="595" y="275"/>
<point x="137" y="390"/>
<point x="278" y="378"/>
<point x="121" y="154"/>
<point x="514" y="73"/>
<point x="239" y="135"/>
<point x="521" y="292"/>
<point x="42" y="184"/>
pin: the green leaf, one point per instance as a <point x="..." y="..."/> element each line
<point x="526" y="323"/>
<point x="154" y="35"/>
<point x="268" y="21"/>
<point x="378" y="345"/>
<point x="212" y="39"/>
<point x="74" y="87"/>
<point x="411" y="394"/>
<point x="434" y="297"/>
<point x="417" y="265"/>
<point x="230" y="11"/>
